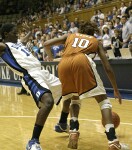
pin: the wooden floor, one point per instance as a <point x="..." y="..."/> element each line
<point x="17" y="117"/>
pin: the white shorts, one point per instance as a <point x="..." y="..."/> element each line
<point x="38" y="82"/>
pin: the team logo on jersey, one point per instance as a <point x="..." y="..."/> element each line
<point x="38" y="94"/>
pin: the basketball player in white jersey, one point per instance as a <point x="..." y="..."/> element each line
<point x="40" y="83"/>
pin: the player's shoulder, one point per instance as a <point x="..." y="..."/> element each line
<point x="14" y="45"/>
<point x="2" y="45"/>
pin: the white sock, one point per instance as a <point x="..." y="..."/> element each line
<point x="74" y="118"/>
<point x="108" y="126"/>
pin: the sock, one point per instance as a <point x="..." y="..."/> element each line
<point x="74" y="118"/>
<point x="74" y="125"/>
<point x="108" y="126"/>
<point x="37" y="131"/>
<point x="63" y="118"/>
<point x="111" y="135"/>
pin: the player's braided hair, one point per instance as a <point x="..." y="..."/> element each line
<point x="6" y="28"/>
<point x="88" y="28"/>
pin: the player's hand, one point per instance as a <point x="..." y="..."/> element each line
<point x="26" y="26"/>
<point x="118" y="96"/>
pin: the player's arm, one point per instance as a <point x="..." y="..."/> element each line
<point x="2" y="48"/>
<point x="25" y="39"/>
<point x="57" y="59"/>
<point x="109" y="71"/>
<point x="51" y="42"/>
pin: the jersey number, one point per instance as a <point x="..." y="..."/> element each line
<point x="83" y="43"/>
<point x="25" y="51"/>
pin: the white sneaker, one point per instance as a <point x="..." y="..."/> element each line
<point x="115" y="145"/>
<point x="33" y="145"/>
<point x="124" y="146"/>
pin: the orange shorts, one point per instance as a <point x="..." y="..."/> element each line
<point x="76" y="74"/>
<point x="79" y="77"/>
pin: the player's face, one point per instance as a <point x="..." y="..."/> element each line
<point x="13" y="35"/>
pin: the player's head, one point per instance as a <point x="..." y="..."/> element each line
<point x="88" y="28"/>
<point x="9" y="32"/>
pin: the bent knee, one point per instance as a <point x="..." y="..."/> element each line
<point x="47" y="100"/>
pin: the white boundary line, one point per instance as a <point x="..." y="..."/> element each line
<point x="90" y="120"/>
<point x="123" y="99"/>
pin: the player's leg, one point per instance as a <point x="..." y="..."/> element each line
<point x="74" y="112"/>
<point x="62" y="125"/>
<point x="72" y="106"/>
<point x="44" y="100"/>
<point x="22" y="91"/>
<point x="74" y="123"/>
<point x="106" y="111"/>
<point x="45" y="108"/>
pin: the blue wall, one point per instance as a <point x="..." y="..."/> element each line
<point x="121" y="67"/>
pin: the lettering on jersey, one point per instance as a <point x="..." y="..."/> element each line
<point x="84" y="35"/>
<point x="25" y="51"/>
<point x="38" y="94"/>
<point x="16" y="45"/>
<point x="82" y="43"/>
<point x="21" y="48"/>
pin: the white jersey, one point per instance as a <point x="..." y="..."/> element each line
<point x="37" y="81"/>
<point x="19" y="58"/>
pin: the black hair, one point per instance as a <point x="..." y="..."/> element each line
<point x="124" y="16"/>
<point x="6" y="28"/>
<point x="88" y="28"/>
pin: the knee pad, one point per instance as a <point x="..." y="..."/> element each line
<point x="76" y="102"/>
<point x="105" y="104"/>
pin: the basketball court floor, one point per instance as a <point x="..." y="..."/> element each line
<point x="17" y="117"/>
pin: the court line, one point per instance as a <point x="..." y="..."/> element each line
<point x="123" y="99"/>
<point x="90" y="120"/>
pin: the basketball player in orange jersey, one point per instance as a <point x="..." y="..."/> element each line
<point x="79" y="78"/>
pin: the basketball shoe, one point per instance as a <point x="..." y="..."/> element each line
<point x="33" y="145"/>
<point x="61" y="127"/>
<point x="115" y="145"/>
<point x="73" y="139"/>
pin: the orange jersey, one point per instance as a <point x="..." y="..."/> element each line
<point x="80" y="43"/>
